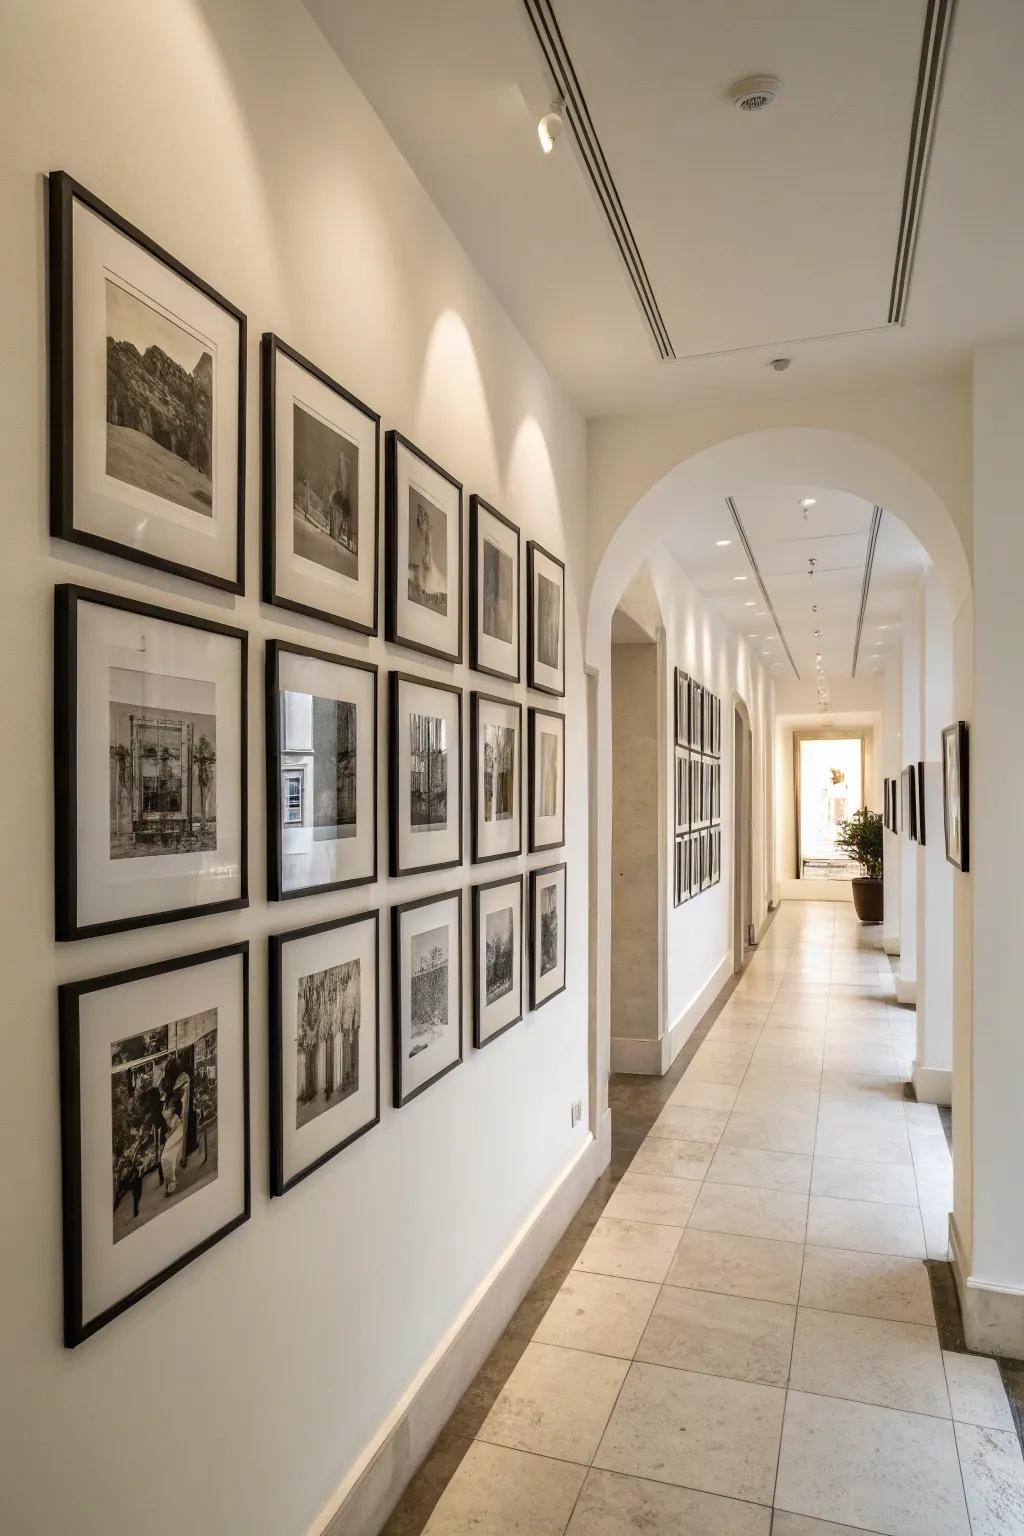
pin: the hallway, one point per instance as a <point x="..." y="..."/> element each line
<point x="749" y="1325"/>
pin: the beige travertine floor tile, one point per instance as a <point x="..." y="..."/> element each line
<point x="648" y="1197"/>
<point x="976" y="1391"/>
<point x="686" y="1123"/>
<point x="636" y="1250"/>
<point x="698" y="1095"/>
<point x="720" y="1335"/>
<point x="875" y="1469"/>
<point x="498" y="1492"/>
<point x="601" y="1313"/>
<point x="799" y="1525"/>
<point x="761" y="1170"/>
<point x="758" y="1267"/>
<point x="894" y="1365"/>
<point x="769" y="1131"/>
<point x="555" y="1403"/>
<point x="867" y="1284"/>
<point x="750" y="1212"/>
<point x="848" y="1179"/>
<point x="612" y="1504"/>
<point x="862" y="1140"/>
<point x="676" y="1159"/>
<point x="699" y="1431"/>
<point x="993" y="1472"/>
<point x="866" y="1226"/>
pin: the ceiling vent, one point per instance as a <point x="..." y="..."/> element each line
<point x="755" y="94"/>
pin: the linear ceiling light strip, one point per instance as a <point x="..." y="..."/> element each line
<point x="937" y="28"/>
<point x="595" y="165"/>
<point x="737" y="520"/>
<point x="869" y="565"/>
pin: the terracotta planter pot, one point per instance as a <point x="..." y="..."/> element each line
<point x="867" y="899"/>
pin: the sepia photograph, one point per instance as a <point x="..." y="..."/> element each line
<point x="428" y="773"/>
<point x="547" y="937"/>
<point x="163" y="1117"/>
<point x="499" y="763"/>
<point x="545" y="650"/>
<point x="163" y="761"/>
<point x="548" y="929"/>
<point x="498" y="956"/>
<point x="325" y="504"/>
<point x="550" y="757"/>
<point x="546" y="798"/>
<point x="428" y="988"/>
<point x="159" y="403"/>
<point x="327" y="1039"/>
<point x="549" y="619"/>
<point x="428" y="553"/>
<point x="498" y="593"/>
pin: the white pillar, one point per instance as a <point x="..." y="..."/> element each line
<point x="910" y="733"/>
<point x="988" y="1233"/>
<point x="891" y="706"/>
<point x="933" y="1063"/>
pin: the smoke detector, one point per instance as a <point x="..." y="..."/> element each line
<point x="756" y="93"/>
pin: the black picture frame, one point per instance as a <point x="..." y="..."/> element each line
<point x="476" y="698"/>
<point x="694" y="864"/>
<point x="400" y="1097"/>
<point x="478" y="505"/>
<point x="894" y="807"/>
<point x="271" y="347"/>
<point x="534" y="940"/>
<point x="885" y="804"/>
<point x="908" y="784"/>
<point x="956" y="796"/>
<point x="479" y="1039"/>
<point x="275" y="860"/>
<point x="921" y="829"/>
<point x="533" y="551"/>
<point x="393" y="440"/>
<point x="533" y="714"/>
<point x="681" y="871"/>
<point x="696" y="714"/>
<point x="279" y="1184"/>
<point x="681" y="708"/>
<point x="395" y="681"/>
<point x="682" y="808"/>
<point x="63" y="191"/>
<point x="76" y="1328"/>
<point x="67" y="597"/>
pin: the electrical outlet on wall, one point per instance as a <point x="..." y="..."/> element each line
<point x="577" y="1112"/>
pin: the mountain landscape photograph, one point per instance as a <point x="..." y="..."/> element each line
<point x="159" y="404"/>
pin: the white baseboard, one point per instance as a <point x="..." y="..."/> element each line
<point x="993" y="1315"/>
<point x="906" y="991"/>
<point x="933" y="1085"/>
<point x="641" y="1057"/>
<point x="891" y="944"/>
<point x="372" y="1488"/>
<point x="686" y="1023"/>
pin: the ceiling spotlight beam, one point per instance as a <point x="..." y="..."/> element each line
<point x="742" y="532"/>
<point x="865" y="586"/>
<point x="576" y="115"/>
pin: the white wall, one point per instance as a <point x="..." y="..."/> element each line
<point x="892" y="718"/>
<point x="910" y="753"/>
<point x="240" y="1395"/>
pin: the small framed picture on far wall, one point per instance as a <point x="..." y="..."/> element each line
<point x="545" y="608"/>
<point x="496" y="738"/>
<point x="546" y="797"/>
<point x="493" y="592"/>
<point x="497" y="958"/>
<point x="956" y="794"/>
<point x="423" y="586"/>
<point x="426" y="992"/>
<point x="547" y="934"/>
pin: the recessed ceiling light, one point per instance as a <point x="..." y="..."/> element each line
<point x="760" y="614"/>
<point x="723" y="543"/>
<point x="749" y="603"/>
<point x="809" y="501"/>
<point x="739" y="578"/>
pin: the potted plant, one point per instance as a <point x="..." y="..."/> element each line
<point x="861" y="838"/>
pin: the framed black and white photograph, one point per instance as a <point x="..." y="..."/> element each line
<point x="955" y="794"/>
<point x="425" y="773"/>
<point x="681" y="871"/>
<point x="150" y="778"/>
<point x="496" y="736"/>
<point x="547" y="934"/>
<point x="706" y="874"/>
<point x="324" y="1043"/>
<point x="682" y="790"/>
<point x="321" y="771"/>
<point x="545" y="620"/>
<point x="494" y="580"/>
<point x="426" y="992"/>
<point x="147" y="398"/>
<point x="546" y="796"/>
<point x="682" y="708"/>
<point x="908" y="781"/>
<point x="423" y="586"/>
<point x="716" y="855"/>
<point x="696" y="715"/>
<point x="497" y="958"/>
<point x="920" y="805"/>
<point x="154" y="1074"/>
<point x="694" y="863"/>
<point x="885" y="805"/>
<point x="321" y="467"/>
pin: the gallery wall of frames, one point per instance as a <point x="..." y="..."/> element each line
<point x="697" y="847"/>
<point x="904" y="799"/>
<point x="153" y="734"/>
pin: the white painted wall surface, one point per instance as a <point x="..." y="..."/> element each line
<point x="231" y="135"/>
<point x="892" y="723"/>
<point x="910" y="744"/>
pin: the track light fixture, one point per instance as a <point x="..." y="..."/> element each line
<point x="549" y="129"/>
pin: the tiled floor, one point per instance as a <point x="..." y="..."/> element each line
<point x="745" y="1343"/>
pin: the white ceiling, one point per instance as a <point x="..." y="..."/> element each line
<point x="835" y="535"/>
<point x="755" y="231"/>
